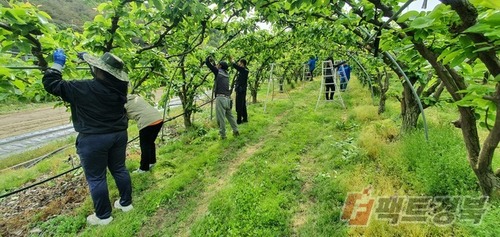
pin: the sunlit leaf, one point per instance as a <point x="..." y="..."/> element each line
<point x="487" y="3"/>
<point x="458" y="59"/>
<point x="11" y="16"/>
<point x="19" y="85"/>
<point x="42" y="19"/>
<point x="478" y="28"/>
<point x="421" y="22"/>
<point x="407" y="16"/>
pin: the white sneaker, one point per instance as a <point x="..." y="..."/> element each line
<point x="94" y="220"/>
<point x="124" y="209"/>
<point x="138" y="171"/>
<point x="152" y="165"/>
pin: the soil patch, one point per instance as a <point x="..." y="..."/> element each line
<point x="26" y="121"/>
<point x="40" y="203"/>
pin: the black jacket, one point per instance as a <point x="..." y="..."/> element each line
<point x="221" y="79"/>
<point x="97" y="106"/>
<point x="242" y="80"/>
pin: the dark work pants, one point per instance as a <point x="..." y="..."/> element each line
<point x="329" y="90"/>
<point x="98" y="152"/>
<point x="343" y="83"/>
<point x="147" y="137"/>
<point x="241" y="107"/>
<point x="311" y="71"/>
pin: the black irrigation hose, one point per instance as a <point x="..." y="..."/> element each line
<point x="75" y="168"/>
<point x="36" y="184"/>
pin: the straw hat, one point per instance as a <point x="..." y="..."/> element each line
<point x="109" y="63"/>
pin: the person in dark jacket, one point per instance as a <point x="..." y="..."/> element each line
<point x="222" y="98"/>
<point x="99" y="117"/>
<point x="240" y="88"/>
<point x="329" y="79"/>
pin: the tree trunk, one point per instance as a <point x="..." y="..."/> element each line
<point x="384" y="87"/>
<point x="479" y="159"/>
<point x="254" y="96"/>
<point x="187" y="114"/>
<point x="409" y="110"/>
<point x="488" y="182"/>
<point x="187" y="118"/>
<point x="381" y="103"/>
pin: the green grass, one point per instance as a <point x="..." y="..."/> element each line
<point x="288" y="173"/>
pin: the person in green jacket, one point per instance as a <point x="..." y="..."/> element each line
<point x="149" y="121"/>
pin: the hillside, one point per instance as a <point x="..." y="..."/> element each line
<point x="66" y="13"/>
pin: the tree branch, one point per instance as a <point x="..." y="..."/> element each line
<point x="37" y="46"/>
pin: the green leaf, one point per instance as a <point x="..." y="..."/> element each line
<point x="20" y="85"/>
<point x="495" y="4"/>
<point x="444" y="54"/>
<point x="11" y="16"/>
<point x="42" y="19"/>
<point x="459" y="59"/>
<point x="421" y="22"/>
<point x="497" y="78"/>
<point x="450" y="56"/>
<point x="493" y="19"/>
<point x="466" y="68"/>
<point x="407" y="16"/>
<point x="478" y="28"/>
<point x="99" y="18"/>
<point x="483" y="49"/>
<point x="158" y="5"/>
<point x="24" y="46"/>
<point x="4" y="71"/>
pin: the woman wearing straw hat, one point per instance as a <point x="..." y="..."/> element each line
<point x="99" y="117"/>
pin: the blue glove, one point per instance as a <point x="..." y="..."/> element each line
<point x="80" y="55"/>
<point x="59" y="57"/>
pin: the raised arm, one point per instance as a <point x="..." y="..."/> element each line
<point x="211" y="66"/>
<point x="238" y="68"/>
<point x="52" y="79"/>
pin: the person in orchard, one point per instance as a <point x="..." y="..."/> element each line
<point x="149" y="121"/>
<point x="312" y="65"/>
<point x="240" y="88"/>
<point x="222" y="97"/>
<point x="345" y="75"/>
<point x="329" y="79"/>
<point x="99" y="117"/>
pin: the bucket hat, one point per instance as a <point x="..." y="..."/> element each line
<point x="109" y="63"/>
